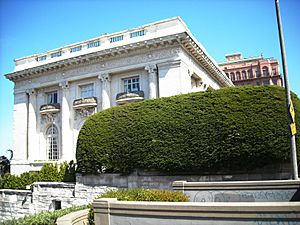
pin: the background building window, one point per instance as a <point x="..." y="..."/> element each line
<point x="52" y="143"/>
<point x="265" y="71"/>
<point x="238" y="75"/>
<point x="244" y="76"/>
<point x="52" y="97"/>
<point x="274" y="71"/>
<point x="232" y="76"/>
<point x="250" y="74"/>
<point x="131" y="84"/>
<point x="257" y="72"/>
<point x="87" y="91"/>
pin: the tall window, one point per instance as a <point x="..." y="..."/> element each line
<point x="258" y="72"/>
<point x="87" y="91"/>
<point x="265" y="71"/>
<point x="132" y="84"/>
<point x="232" y="77"/>
<point x="274" y="71"/>
<point x="52" y="143"/>
<point x="244" y="76"/>
<point x="250" y="74"/>
<point x="238" y="75"/>
<point x="52" y="97"/>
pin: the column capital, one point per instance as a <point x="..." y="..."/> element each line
<point x="64" y="84"/>
<point x="151" y="68"/>
<point x="104" y="77"/>
<point x="31" y="91"/>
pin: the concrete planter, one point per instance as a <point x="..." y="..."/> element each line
<point x="113" y="212"/>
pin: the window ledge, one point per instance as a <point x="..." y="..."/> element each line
<point x="49" y="108"/>
<point x="81" y="103"/>
<point x="128" y="97"/>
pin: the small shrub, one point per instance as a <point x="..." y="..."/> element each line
<point x="50" y="172"/>
<point x="139" y="194"/>
<point x="43" y="218"/>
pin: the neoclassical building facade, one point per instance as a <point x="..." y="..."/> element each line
<point x="55" y="91"/>
<point x="254" y="71"/>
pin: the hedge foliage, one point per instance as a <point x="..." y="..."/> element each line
<point x="43" y="218"/>
<point x="230" y="129"/>
<point x="50" y="172"/>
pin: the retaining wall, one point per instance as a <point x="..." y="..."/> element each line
<point x="147" y="179"/>
<point x="113" y="212"/>
<point x="45" y="196"/>
<point x="241" y="191"/>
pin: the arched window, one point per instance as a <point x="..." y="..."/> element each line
<point x="238" y="75"/>
<point x="232" y="77"/>
<point x="52" y="143"/>
<point x="265" y="71"/>
<point x="250" y="74"/>
<point x="244" y="76"/>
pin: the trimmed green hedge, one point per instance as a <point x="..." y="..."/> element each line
<point x="43" y="218"/>
<point x="50" y="172"/>
<point x="230" y="129"/>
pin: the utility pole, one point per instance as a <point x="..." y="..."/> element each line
<point x="289" y="105"/>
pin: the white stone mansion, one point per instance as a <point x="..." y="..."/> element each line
<point x="56" y="90"/>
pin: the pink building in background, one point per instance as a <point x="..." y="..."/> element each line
<point x="251" y="71"/>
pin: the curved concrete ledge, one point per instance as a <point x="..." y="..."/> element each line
<point x="265" y="184"/>
<point x="74" y="218"/>
<point x="113" y="212"/>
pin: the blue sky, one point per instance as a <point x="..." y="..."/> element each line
<point x="222" y="26"/>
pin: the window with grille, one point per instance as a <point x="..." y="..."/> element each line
<point x="56" y="54"/>
<point x="87" y="91"/>
<point x="137" y="33"/>
<point x="76" y="49"/>
<point x="52" y="143"/>
<point x="52" y="97"/>
<point x="117" y="38"/>
<point x="132" y="84"/>
<point x="93" y="44"/>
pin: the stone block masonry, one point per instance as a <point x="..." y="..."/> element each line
<point x="46" y="196"/>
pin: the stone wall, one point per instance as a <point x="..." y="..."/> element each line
<point x="146" y="179"/>
<point x="45" y="196"/>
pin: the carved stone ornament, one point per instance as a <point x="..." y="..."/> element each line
<point x="83" y="113"/>
<point x="48" y="118"/>
<point x="105" y="77"/>
<point x="151" y="68"/>
<point x="128" y="97"/>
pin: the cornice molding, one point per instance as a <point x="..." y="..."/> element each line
<point x="184" y="39"/>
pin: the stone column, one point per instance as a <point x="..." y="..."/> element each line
<point x="151" y="69"/>
<point x="32" y="133"/>
<point x="66" y="136"/>
<point x="105" y="79"/>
